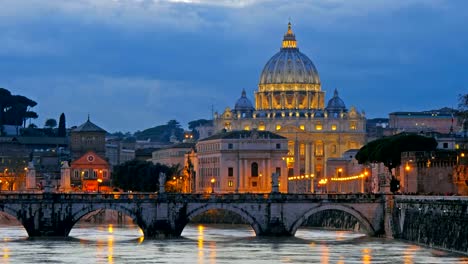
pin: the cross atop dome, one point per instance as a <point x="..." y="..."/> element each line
<point x="289" y="40"/>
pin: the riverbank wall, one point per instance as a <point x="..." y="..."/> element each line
<point x="437" y="222"/>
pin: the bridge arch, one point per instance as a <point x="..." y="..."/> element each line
<point x="18" y="215"/>
<point x="234" y="209"/>
<point x="77" y="215"/>
<point x="367" y="226"/>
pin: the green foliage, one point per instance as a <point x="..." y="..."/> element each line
<point x="463" y="110"/>
<point x="62" y="130"/>
<point x="394" y="185"/>
<point x="137" y="175"/>
<point x="50" y="123"/>
<point x="13" y="108"/>
<point x="162" y="133"/>
<point x="388" y="149"/>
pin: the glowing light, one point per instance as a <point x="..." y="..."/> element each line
<point x="110" y="228"/>
<point x="366" y="257"/>
<point x="462" y="155"/>
<point x="323" y="181"/>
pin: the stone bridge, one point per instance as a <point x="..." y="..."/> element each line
<point x="165" y="215"/>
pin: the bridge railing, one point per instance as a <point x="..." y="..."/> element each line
<point x="180" y="197"/>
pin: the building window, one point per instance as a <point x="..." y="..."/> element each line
<point x="247" y="128"/>
<point x="95" y="173"/>
<point x="104" y="174"/>
<point x="254" y="169"/>
<point x="302" y="149"/>
<point x="353" y="125"/>
<point x="230" y="171"/>
<point x="278" y="127"/>
<point x="333" y="149"/>
<point x="261" y="127"/>
<point x="85" y="174"/>
<point x="278" y="171"/>
<point x="318" y="126"/>
<point x="319" y="148"/>
<point x="445" y="145"/>
<point x="230" y="146"/>
<point x="76" y="174"/>
<point x="333" y="127"/>
<point x="230" y="183"/>
<point x="254" y="184"/>
<point x="302" y="127"/>
<point x="278" y="146"/>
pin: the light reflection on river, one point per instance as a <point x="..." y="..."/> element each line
<point x="209" y="244"/>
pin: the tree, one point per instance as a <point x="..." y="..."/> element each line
<point x="13" y="108"/>
<point x="137" y="175"/>
<point x="463" y="110"/>
<point x="162" y="133"/>
<point x="50" y="123"/>
<point x="62" y="131"/>
<point x="388" y="149"/>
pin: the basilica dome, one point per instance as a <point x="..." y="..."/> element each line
<point x="243" y="104"/>
<point x="336" y="104"/>
<point x="289" y="65"/>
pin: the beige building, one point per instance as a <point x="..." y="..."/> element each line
<point x="172" y="155"/>
<point x="239" y="162"/>
<point x="290" y="102"/>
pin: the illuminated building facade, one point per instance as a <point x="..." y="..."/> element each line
<point x="239" y="162"/>
<point x="90" y="173"/>
<point x="290" y="102"/>
<point x="90" y="170"/>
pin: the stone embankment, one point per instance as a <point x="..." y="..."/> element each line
<point x="437" y="222"/>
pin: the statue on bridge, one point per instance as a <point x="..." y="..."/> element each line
<point x="162" y="182"/>
<point x="274" y="183"/>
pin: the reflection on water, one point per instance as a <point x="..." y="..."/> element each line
<point x="209" y="244"/>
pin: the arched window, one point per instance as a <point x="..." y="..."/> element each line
<point x="254" y="169"/>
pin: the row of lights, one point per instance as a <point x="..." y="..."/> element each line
<point x="325" y="180"/>
<point x="301" y="177"/>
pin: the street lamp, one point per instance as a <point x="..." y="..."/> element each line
<point x="99" y="181"/>
<point x="407" y="170"/>
<point x="212" y="184"/>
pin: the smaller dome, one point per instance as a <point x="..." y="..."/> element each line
<point x="336" y="104"/>
<point x="243" y="104"/>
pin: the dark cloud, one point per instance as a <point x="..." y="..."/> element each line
<point x="134" y="64"/>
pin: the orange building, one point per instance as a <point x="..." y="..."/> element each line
<point x="90" y="173"/>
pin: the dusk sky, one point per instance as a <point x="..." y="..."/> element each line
<point x="134" y="64"/>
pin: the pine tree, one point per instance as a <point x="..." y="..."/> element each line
<point x="61" y="128"/>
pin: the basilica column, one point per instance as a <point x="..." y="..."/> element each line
<point x="245" y="186"/>
<point x="267" y="175"/>
<point x="307" y="158"/>
<point x="297" y="158"/>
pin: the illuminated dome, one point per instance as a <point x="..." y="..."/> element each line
<point x="289" y="65"/>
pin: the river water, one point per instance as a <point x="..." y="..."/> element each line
<point x="210" y="244"/>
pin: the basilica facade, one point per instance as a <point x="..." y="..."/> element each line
<point x="290" y="102"/>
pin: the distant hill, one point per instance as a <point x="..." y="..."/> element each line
<point x="162" y="133"/>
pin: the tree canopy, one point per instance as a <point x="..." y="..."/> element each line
<point x="137" y="175"/>
<point x="463" y="110"/>
<point x="50" y="123"/>
<point x="62" y="131"/>
<point x="162" y="133"/>
<point x="388" y="149"/>
<point x="14" y="109"/>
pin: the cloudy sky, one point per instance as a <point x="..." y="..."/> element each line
<point x="134" y="64"/>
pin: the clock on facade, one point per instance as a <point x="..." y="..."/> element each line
<point x="90" y="158"/>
